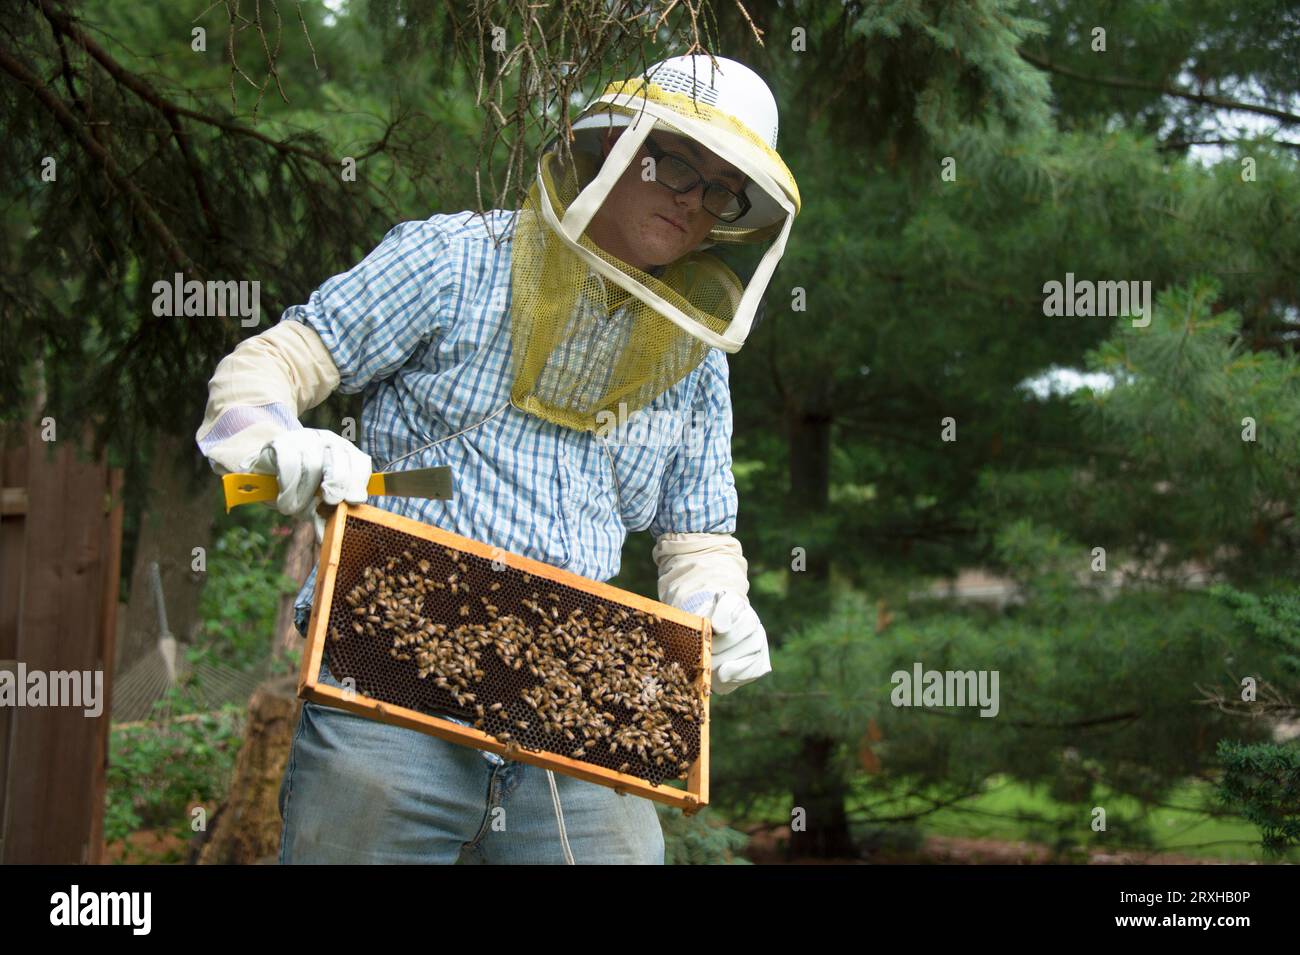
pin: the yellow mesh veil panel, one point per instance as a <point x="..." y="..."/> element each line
<point x="582" y="345"/>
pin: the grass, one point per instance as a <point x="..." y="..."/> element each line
<point x="1013" y="811"/>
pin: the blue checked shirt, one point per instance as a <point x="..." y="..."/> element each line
<point x="421" y="328"/>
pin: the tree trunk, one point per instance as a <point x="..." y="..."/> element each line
<point x="246" y="829"/>
<point x="820" y="793"/>
<point x="818" y="790"/>
<point x="809" y="437"/>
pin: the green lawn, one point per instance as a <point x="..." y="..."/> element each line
<point x="1013" y="811"/>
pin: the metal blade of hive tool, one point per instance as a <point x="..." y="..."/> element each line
<point x="433" y="483"/>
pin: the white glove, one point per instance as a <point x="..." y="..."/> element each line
<point x="740" y="653"/>
<point x="306" y="460"/>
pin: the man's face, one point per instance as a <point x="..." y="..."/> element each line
<point x="646" y="224"/>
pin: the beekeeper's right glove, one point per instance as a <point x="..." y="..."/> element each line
<point x="309" y="459"/>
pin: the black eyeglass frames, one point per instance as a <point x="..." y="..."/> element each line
<point x="675" y="173"/>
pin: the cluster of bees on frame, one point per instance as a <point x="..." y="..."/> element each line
<point x="602" y="687"/>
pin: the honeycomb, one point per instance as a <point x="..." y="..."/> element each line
<point x="528" y="660"/>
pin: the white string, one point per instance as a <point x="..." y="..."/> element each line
<point x="559" y="818"/>
<point x="604" y="443"/>
<point x="618" y="493"/>
<point x="390" y="464"/>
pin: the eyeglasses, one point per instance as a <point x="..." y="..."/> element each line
<point x="675" y="173"/>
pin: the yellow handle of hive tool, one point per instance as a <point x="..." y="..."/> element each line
<point x="251" y="488"/>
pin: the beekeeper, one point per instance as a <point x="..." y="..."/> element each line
<point x="506" y="361"/>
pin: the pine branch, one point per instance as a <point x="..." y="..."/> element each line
<point x="1167" y="89"/>
<point x="67" y="25"/>
<point x="1176" y="144"/>
<point x="1066" y="725"/>
<point x="77" y="130"/>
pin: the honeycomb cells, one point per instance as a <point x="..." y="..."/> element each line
<point x="526" y="659"/>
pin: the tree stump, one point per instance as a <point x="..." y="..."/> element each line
<point x="246" y="829"/>
<point x="299" y="558"/>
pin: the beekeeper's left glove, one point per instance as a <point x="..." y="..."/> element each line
<point x="308" y="460"/>
<point x="740" y="653"/>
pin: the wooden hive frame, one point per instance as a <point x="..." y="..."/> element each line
<point x="689" y="800"/>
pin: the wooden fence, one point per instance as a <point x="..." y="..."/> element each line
<point x="60" y="557"/>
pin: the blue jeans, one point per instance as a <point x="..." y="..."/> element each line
<point x="360" y="791"/>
